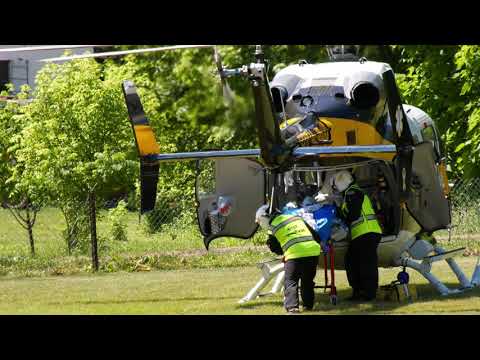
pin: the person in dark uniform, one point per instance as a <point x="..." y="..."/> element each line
<point x="290" y="236"/>
<point x="361" y="259"/>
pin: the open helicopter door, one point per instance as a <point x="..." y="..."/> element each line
<point x="402" y="135"/>
<point x="428" y="203"/>
<point x="229" y="192"/>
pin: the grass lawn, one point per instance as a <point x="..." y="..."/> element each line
<point x="208" y="291"/>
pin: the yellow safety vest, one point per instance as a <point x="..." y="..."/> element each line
<point x="367" y="222"/>
<point x="294" y="237"/>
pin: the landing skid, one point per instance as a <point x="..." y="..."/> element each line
<point x="270" y="270"/>
<point x="275" y="269"/>
<point x="424" y="267"/>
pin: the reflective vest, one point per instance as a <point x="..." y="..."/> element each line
<point x="294" y="237"/>
<point x="367" y="222"/>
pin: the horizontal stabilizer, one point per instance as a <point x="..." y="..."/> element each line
<point x="253" y="153"/>
<point x="204" y="155"/>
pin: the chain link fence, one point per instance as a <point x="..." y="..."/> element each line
<point x="465" y="202"/>
<point x="171" y="227"/>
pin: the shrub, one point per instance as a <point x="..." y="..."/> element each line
<point x="117" y="218"/>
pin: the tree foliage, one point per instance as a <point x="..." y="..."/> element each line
<point x="13" y="196"/>
<point x="443" y="81"/>
<point x="75" y="141"/>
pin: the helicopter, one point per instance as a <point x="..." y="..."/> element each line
<point x="313" y="120"/>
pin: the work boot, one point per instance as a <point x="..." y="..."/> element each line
<point x="293" y="311"/>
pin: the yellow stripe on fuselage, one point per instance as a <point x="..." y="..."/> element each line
<point x="146" y="143"/>
<point x="365" y="134"/>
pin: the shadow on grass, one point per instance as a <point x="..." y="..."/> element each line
<point x="260" y="303"/>
<point x="426" y="293"/>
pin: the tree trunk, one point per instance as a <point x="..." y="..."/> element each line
<point x="69" y="231"/>
<point x="93" y="230"/>
<point x="30" y="233"/>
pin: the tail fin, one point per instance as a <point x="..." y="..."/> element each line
<point x="146" y="146"/>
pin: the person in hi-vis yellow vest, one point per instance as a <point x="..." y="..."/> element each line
<point x="361" y="259"/>
<point x="290" y="236"/>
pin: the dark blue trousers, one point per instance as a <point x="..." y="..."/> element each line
<point x="303" y="270"/>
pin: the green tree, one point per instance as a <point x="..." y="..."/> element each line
<point x="467" y="61"/>
<point x="77" y="147"/>
<point x="443" y="81"/>
<point x="13" y="196"/>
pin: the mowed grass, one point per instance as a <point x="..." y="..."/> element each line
<point x="210" y="291"/>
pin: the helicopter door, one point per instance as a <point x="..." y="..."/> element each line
<point x="427" y="202"/>
<point x="229" y="192"/>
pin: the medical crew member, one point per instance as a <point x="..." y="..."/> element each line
<point x="361" y="259"/>
<point x="291" y="237"/>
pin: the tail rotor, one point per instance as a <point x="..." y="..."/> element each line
<point x="228" y="94"/>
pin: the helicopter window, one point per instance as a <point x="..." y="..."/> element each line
<point x="429" y="134"/>
<point x="310" y="178"/>
<point x="206" y="183"/>
<point x="351" y="137"/>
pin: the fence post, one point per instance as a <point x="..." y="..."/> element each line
<point x="93" y="229"/>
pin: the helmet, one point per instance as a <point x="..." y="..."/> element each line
<point x="342" y="180"/>
<point x="261" y="217"/>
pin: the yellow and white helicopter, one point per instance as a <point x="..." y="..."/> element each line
<point x="313" y="120"/>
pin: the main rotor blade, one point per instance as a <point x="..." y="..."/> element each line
<point x="126" y="52"/>
<point x="46" y="47"/>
